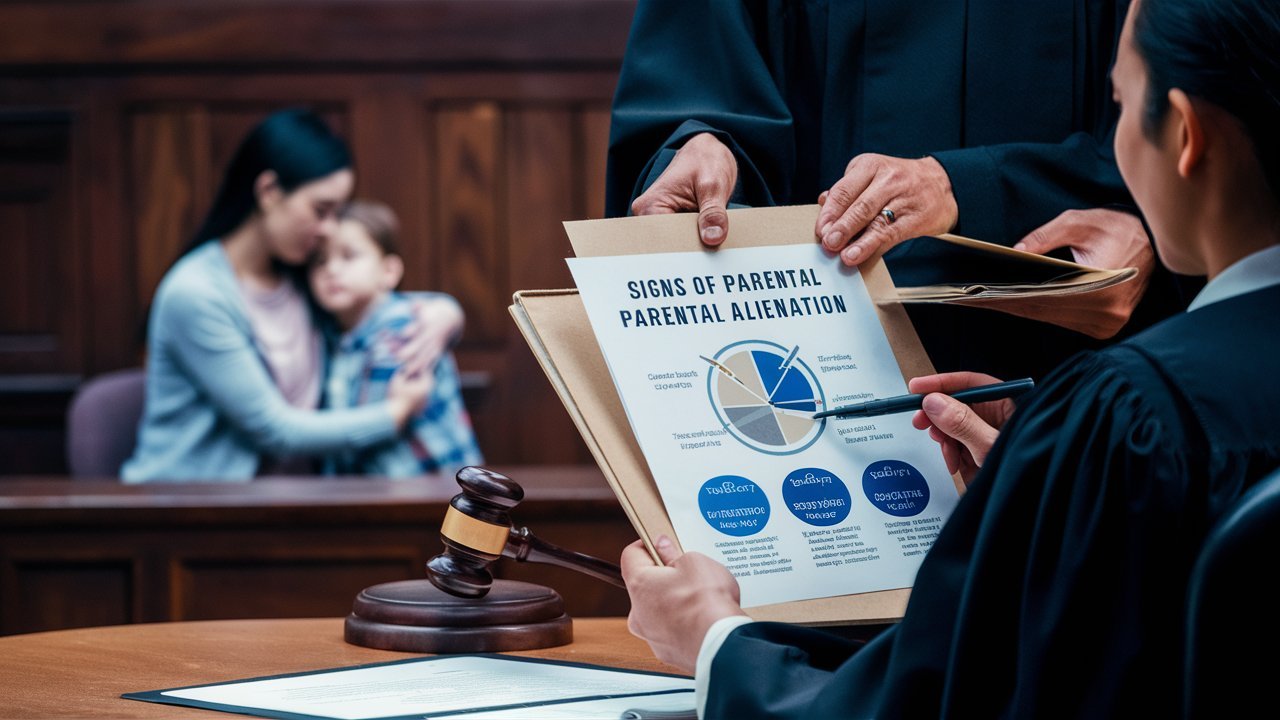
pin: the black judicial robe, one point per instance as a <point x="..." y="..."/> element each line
<point x="1058" y="587"/>
<point x="1011" y="97"/>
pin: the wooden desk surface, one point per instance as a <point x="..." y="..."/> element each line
<point x="82" y="673"/>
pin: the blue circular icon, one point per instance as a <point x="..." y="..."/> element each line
<point x="816" y="496"/>
<point x="733" y="505"/>
<point x="895" y="488"/>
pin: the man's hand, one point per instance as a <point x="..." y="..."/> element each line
<point x="700" y="177"/>
<point x="915" y="193"/>
<point x="1100" y="238"/>
<point x="966" y="433"/>
<point x="674" y="604"/>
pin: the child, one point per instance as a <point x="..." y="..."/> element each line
<point x="353" y="276"/>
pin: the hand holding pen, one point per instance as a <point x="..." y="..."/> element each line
<point x="966" y="433"/>
<point x="903" y="403"/>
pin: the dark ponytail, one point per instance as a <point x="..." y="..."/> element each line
<point x="1223" y="52"/>
<point x="295" y="144"/>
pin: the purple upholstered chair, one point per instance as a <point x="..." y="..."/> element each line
<point x="102" y="423"/>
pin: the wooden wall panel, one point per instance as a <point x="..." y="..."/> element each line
<point x="317" y="586"/>
<point x="302" y="32"/>
<point x="39" y="326"/>
<point x="466" y="170"/>
<point x="541" y="172"/>
<point x="115" y="322"/>
<point x="391" y="135"/>
<point x="483" y="123"/>
<point x="541" y="175"/>
<point x="52" y="593"/>
<point x="28" y="323"/>
<point x="170" y="178"/>
<point x="595" y="153"/>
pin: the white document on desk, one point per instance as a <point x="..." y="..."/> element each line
<point x="474" y="687"/>
<point x="721" y="360"/>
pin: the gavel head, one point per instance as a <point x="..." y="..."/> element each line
<point x="475" y="531"/>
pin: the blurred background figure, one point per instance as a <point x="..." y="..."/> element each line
<point x="353" y="276"/>
<point x="484" y="133"/>
<point x="236" y="359"/>
<point x="483" y="123"/>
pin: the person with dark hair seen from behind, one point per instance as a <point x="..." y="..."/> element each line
<point x="235" y="356"/>
<point x="353" y="275"/>
<point x="1058" y="586"/>
<point x="986" y="118"/>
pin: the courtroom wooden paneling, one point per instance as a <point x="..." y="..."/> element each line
<point x="171" y="181"/>
<point x="77" y="593"/>
<point x="42" y="326"/>
<point x="303" y="582"/>
<point x="484" y="123"/>
<point x="538" y="33"/>
<point x="542" y="170"/>
<point x="40" y="254"/>
<point x="74" y="554"/>
<point x="467" y="145"/>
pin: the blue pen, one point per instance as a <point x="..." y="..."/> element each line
<point x="903" y="403"/>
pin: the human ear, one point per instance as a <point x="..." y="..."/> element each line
<point x="266" y="189"/>
<point x="392" y="271"/>
<point x="1191" y="138"/>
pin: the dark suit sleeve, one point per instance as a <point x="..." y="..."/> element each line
<point x="693" y="66"/>
<point x="802" y="666"/>
<point x="1054" y="590"/>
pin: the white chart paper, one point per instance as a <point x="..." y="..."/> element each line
<point x="721" y="359"/>
<point x="469" y="686"/>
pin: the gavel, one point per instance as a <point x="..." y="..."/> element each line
<point x="477" y="530"/>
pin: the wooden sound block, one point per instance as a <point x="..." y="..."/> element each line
<point x="416" y="616"/>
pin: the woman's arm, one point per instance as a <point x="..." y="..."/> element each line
<point x="210" y="341"/>
<point x="437" y="326"/>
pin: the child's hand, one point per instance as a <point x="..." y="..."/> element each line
<point x="407" y="394"/>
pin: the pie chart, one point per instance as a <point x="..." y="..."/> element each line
<point x="765" y="396"/>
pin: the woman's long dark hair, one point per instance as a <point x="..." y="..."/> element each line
<point x="1223" y="52"/>
<point x="298" y="147"/>
<point x="295" y="144"/>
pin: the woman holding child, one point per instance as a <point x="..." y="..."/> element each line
<point x="236" y="351"/>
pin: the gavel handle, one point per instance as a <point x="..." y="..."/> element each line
<point x="523" y="546"/>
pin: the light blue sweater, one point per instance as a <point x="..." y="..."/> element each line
<point x="212" y="408"/>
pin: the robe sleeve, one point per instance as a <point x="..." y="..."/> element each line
<point x="693" y="66"/>
<point x="697" y="66"/>
<point x="1005" y="191"/>
<point x="1056" y="587"/>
